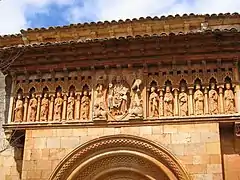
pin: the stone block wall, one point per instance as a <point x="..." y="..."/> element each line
<point x="230" y="145"/>
<point x="197" y="146"/>
<point x="10" y="157"/>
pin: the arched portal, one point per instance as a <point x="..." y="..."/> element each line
<point x="119" y="157"/>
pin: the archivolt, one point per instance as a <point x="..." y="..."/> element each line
<point x="119" y="153"/>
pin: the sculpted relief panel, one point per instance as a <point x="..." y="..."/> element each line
<point x="122" y="95"/>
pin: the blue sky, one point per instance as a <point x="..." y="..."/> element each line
<point x="22" y="14"/>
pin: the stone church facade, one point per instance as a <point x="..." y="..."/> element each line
<point x="142" y="99"/>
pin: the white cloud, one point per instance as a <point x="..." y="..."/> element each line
<point x="124" y="9"/>
<point x="13" y="12"/>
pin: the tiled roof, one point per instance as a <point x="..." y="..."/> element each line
<point x="57" y="43"/>
<point x="122" y="29"/>
<point x="100" y="23"/>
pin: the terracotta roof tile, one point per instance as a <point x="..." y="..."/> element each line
<point x="79" y="41"/>
<point x="140" y="19"/>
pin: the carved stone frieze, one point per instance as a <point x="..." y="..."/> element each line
<point x="125" y="94"/>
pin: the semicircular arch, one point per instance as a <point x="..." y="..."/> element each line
<point x="122" y="147"/>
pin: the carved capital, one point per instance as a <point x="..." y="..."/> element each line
<point x="220" y="88"/>
<point x="65" y="97"/>
<point x="205" y="90"/>
<point x="52" y="97"/>
<point x="190" y="89"/>
<point x="175" y="91"/>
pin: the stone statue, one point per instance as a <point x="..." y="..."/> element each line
<point x="58" y="107"/>
<point x="44" y="108"/>
<point x="18" y="109"/>
<point x="183" y="102"/>
<point x="168" y="102"/>
<point x="136" y="109"/>
<point x="153" y="103"/>
<point x="117" y="97"/>
<point x="33" y="108"/>
<point x="99" y="111"/>
<point x="229" y="100"/>
<point x="199" y="100"/>
<point x="110" y="96"/>
<point x="70" y="106"/>
<point x="213" y="100"/>
<point x="85" y="105"/>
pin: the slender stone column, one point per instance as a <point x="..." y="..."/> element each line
<point x="190" y="101"/>
<point x="11" y="111"/>
<point x="38" y="107"/>
<point x="206" y="106"/>
<point x="161" y="102"/>
<point x="51" y="106"/>
<point x="237" y="98"/>
<point x="175" y="91"/>
<point x="64" y="111"/>
<point x="221" y="104"/>
<point x="77" y="106"/>
<point x="25" y="107"/>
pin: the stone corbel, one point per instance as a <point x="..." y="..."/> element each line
<point x="237" y="129"/>
<point x="8" y="134"/>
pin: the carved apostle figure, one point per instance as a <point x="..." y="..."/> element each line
<point x="70" y="106"/>
<point x="213" y="100"/>
<point x="44" y="108"/>
<point x="18" y="109"/>
<point x="199" y="100"/>
<point x="85" y="105"/>
<point x="58" y="107"/>
<point x="229" y="100"/>
<point x="183" y="102"/>
<point x="153" y="103"/>
<point x="33" y="108"/>
<point x="99" y="111"/>
<point x="168" y="102"/>
<point x="110" y="96"/>
<point x="136" y="109"/>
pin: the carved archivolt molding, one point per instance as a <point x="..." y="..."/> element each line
<point x="116" y="153"/>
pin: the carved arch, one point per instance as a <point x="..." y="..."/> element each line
<point x="198" y="78"/>
<point x="94" y="160"/>
<point x="152" y="78"/>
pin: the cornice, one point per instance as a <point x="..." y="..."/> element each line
<point x="134" y="122"/>
<point x="208" y="45"/>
